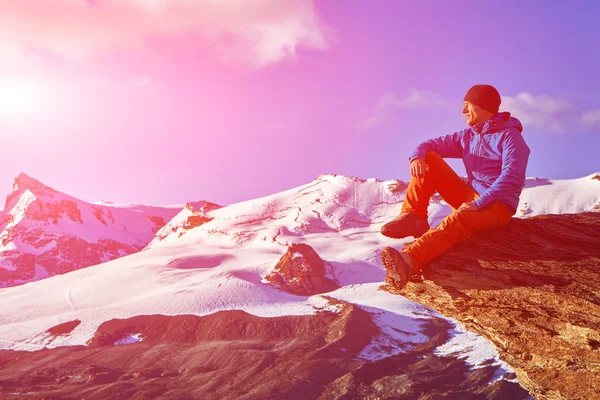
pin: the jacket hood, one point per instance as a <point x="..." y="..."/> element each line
<point x="500" y="121"/>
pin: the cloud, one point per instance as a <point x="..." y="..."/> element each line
<point x="591" y="118"/>
<point x="542" y="112"/>
<point x="415" y="99"/>
<point x="257" y="31"/>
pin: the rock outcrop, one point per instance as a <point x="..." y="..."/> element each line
<point x="193" y="215"/>
<point x="301" y="271"/>
<point x="532" y="288"/>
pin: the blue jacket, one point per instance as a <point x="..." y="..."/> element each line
<point x="495" y="157"/>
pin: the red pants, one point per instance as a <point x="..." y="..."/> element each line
<point x="456" y="227"/>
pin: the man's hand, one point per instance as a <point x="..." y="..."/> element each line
<point x="468" y="206"/>
<point x="417" y="168"/>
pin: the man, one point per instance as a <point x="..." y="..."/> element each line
<point x="495" y="157"/>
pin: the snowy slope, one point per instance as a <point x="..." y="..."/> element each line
<point x="220" y="264"/>
<point x="44" y="232"/>
<point x="565" y="196"/>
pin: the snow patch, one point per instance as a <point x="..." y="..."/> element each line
<point x="475" y="350"/>
<point x="399" y="319"/>
<point x="129" y="339"/>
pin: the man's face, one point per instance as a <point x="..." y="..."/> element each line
<point x="475" y="114"/>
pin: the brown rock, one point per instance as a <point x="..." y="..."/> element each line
<point x="65" y="328"/>
<point x="532" y="288"/>
<point x="301" y="271"/>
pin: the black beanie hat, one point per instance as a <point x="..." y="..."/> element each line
<point x="485" y="96"/>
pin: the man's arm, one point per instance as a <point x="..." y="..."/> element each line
<point x="515" y="155"/>
<point x="448" y="146"/>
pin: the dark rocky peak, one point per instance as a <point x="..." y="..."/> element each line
<point x="201" y="206"/>
<point x="23" y="182"/>
<point x="198" y="216"/>
<point x="532" y="288"/>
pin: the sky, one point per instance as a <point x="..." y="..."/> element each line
<point x="162" y="102"/>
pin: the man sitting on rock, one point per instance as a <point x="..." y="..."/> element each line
<point x="495" y="157"/>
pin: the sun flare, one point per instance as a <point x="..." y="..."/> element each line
<point x="19" y="98"/>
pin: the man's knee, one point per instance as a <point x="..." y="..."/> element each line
<point x="433" y="157"/>
<point x="457" y="217"/>
<point x="435" y="161"/>
<point x="469" y="222"/>
<point x="459" y="223"/>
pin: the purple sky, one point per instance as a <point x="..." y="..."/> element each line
<point x="158" y="102"/>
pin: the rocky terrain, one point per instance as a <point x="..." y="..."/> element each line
<point x="532" y="288"/>
<point x="234" y="355"/>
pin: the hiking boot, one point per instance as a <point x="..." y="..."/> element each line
<point x="398" y="266"/>
<point x="406" y="224"/>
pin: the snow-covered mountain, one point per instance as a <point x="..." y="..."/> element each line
<point x="223" y="258"/>
<point x="44" y="232"/>
<point x="209" y="259"/>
